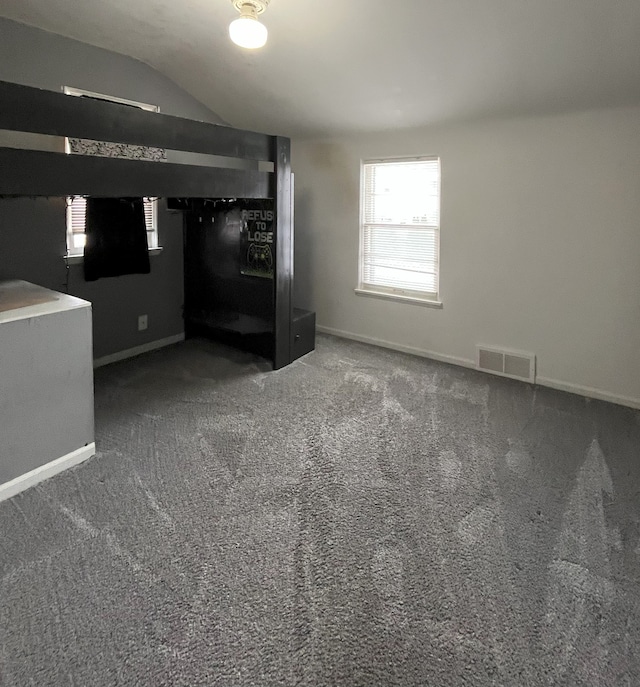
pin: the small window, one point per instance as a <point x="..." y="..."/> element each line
<point x="400" y="229"/>
<point x="76" y="214"/>
<point x="81" y="93"/>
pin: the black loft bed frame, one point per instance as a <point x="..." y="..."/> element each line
<point x="39" y="173"/>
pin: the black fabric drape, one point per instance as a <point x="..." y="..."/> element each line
<point x="116" y="238"/>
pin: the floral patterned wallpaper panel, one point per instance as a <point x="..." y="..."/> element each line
<point x="85" y="146"/>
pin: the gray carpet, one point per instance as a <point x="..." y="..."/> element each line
<point x="361" y="517"/>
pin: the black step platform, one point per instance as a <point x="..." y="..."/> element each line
<point x="303" y="332"/>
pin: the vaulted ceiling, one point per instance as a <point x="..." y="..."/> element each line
<point x="349" y="65"/>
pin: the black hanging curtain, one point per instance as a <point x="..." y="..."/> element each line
<point x="116" y="238"/>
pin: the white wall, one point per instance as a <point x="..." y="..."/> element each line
<point x="540" y="244"/>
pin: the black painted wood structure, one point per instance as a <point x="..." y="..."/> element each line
<point x="42" y="173"/>
<point x="229" y="290"/>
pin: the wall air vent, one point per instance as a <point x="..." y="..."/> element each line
<point x="513" y="364"/>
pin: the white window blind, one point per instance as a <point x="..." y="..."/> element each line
<point x="76" y="218"/>
<point x="400" y="234"/>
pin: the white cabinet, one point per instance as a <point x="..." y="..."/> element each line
<point x="46" y="384"/>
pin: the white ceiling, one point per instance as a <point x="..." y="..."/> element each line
<point x="344" y="65"/>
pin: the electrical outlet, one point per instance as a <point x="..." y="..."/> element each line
<point x="142" y="323"/>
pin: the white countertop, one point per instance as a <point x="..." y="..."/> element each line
<point x="21" y="300"/>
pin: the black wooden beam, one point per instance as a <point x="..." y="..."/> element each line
<point x="23" y="108"/>
<point x="283" y="281"/>
<point x="38" y="173"/>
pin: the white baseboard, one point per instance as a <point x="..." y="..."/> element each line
<point x="589" y="392"/>
<point x="432" y="355"/>
<point x="137" y="350"/>
<point x="464" y="362"/>
<point x="39" y="474"/>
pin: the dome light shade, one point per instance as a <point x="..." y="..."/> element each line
<point x="248" y="32"/>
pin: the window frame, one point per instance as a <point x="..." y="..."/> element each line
<point x="428" y="299"/>
<point x="76" y="255"/>
<point x="79" y="92"/>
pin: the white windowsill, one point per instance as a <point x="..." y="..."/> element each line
<point x="79" y="259"/>
<point x="398" y="297"/>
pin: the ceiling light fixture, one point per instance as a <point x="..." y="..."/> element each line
<point x="247" y="31"/>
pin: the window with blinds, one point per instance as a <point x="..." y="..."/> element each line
<point x="76" y="216"/>
<point x="400" y="232"/>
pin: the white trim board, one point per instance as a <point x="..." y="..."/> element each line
<point x="39" y="474"/>
<point x="432" y="355"/>
<point x="138" y="350"/>
<point x="589" y="392"/>
<point x="585" y="391"/>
